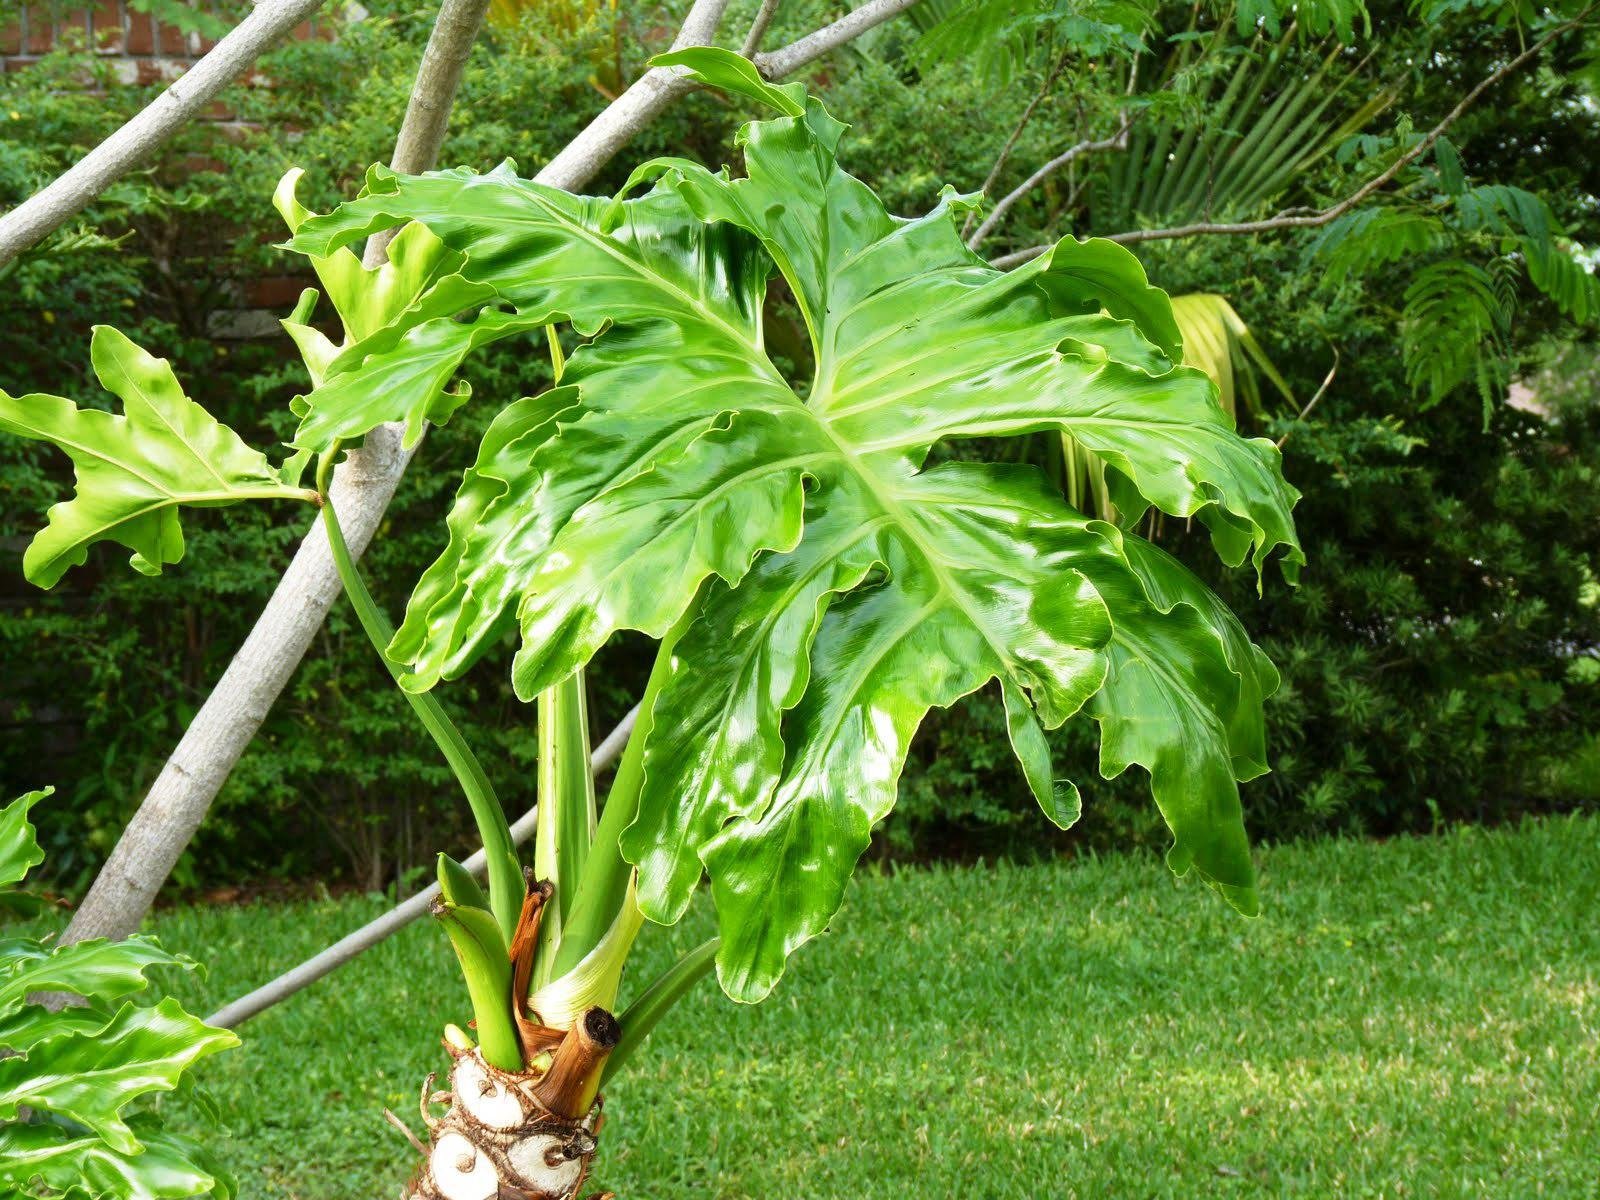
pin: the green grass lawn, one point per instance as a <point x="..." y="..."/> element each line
<point x="1411" y="1019"/>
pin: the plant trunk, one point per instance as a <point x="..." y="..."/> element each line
<point x="527" y="1135"/>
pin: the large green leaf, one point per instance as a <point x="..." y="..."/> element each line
<point x="835" y="586"/>
<point x="31" y="1023"/>
<point x="134" y="471"/>
<point x="90" y="1076"/>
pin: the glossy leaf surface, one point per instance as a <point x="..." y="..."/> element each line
<point x="90" y="1076"/>
<point x="19" y="848"/>
<point x="136" y="469"/>
<point x="96" y="970"/>
<point x="837" y="586"/>
<point x="168" y="1167"/>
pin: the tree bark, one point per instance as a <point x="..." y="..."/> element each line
<point x="362" y="487"/>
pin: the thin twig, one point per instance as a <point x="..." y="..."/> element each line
<point x="790" y="58"/>
<point x="1016" y="131"/>
<point x="1115" y="142"/>
<point x="650" y="94"/>
<point x="1312" y="403"/>
<point x="759" y="27"/>
<point x="415" y="1141"/>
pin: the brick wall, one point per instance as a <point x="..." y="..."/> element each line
<point x="142" y="49"/>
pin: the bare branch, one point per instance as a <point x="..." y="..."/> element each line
<point x="433" y="95"/>
<point x="362" y="487"/>
<point x="1016" y="132"/>
<point x="789" y="59"/>
<point x="758" y="27"/>
<point x="1327" y="382"/>
<point x="398" y="917"/>
<point x="48" y="209"/>
<point x="660" y="86"/>
<point x="630" y="112"/>
<point x="1115" y="142"/>
<point x="700" y="26"/>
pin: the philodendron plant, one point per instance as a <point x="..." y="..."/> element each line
<point x="817" y="576"/>
<point x="72" y="1077"/>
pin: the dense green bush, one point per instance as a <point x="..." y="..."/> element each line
<point x="1439" y="657"/>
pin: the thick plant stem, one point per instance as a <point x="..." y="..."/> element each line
<point x="642" y="1016"/>
<point x="570" y="1086"/>
<point x="603" y="886"/>
<point x="566" y="807"/>
<point x="325" y="962"/>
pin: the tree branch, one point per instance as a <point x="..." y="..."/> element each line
<point x="1016" y="132"/>
<point x="1298" y="218"/>
<point x="1115" y="142"/>
<point x="758" y="27"/>
<point x="658" y="87"/>
<point x="363" y="485"/>
<point x="398" y="917"/>
<point x="48" y="209"/>
<point x="789" y="59"/>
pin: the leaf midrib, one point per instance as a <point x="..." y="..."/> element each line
<point x="903" y="520"/>
<point x="661" y="282"/>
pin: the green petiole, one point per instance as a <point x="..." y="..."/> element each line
<point x="506" y="885"/>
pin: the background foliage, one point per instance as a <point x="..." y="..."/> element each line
<point x="1440" y="657"/>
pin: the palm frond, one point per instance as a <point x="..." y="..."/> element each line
<point x="1217" y="340"/>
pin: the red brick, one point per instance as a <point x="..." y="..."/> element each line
<point x="40" y="35"/>
<point x="108" y="28"/>
<point x="141" y="33"/>
<point x="302" y="32"/>
<point x="172" y="40"/>
<point x="200" y="44"/>
<point x="275" y="291"/>
<point x="160" y="70"/>
<point x="11" y="39"/>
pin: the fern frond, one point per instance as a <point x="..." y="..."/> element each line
<point x="1374" y="237"/>
<point x="1453" y="332"/>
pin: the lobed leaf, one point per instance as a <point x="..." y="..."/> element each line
<point x="90" y="1076"/>
<point x="96" y="969"/>
<point x="19" y="848"/>
<point x="832" y="587"/>
<point x="134" y="471"/>
<point x="168" y="1166"/>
